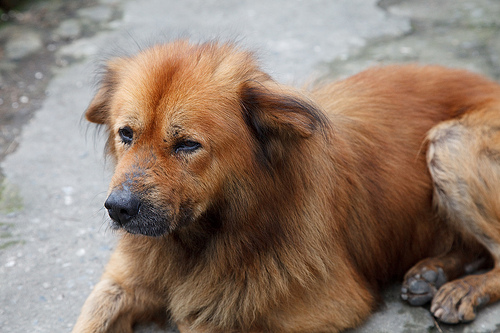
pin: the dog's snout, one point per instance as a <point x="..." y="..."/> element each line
<point x="122" y="205"/>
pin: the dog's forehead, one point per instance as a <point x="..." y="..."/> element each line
<point x="170" y="87"/>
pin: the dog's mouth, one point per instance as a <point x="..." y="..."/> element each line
<point x="138" y="229"/>
<point x="139" y="226"/>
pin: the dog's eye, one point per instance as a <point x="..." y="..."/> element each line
<point x="126" y="135"/>
<point x="186" y="146"/>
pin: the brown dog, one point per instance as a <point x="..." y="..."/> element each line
<point x="247" y="206"/>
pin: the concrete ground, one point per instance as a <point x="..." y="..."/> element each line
<point x="54" y="239"/>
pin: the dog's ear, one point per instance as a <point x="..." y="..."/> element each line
<point x="270" y="110"/>
<point x="279" y="116"/>
<point x="98" y="110"/>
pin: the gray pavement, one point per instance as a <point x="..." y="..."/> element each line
<point x="54" y="239"/>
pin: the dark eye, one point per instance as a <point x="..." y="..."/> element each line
<point x="126" y="135"/>
<point x="186" y="146"/>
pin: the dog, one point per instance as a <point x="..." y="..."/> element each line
<point x="243" y="205"/>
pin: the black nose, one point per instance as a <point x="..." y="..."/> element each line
<point x="122" y="205"/>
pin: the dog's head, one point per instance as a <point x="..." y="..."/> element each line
<point x="185" y="121"/>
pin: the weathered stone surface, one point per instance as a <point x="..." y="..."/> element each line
<point x="477" y="13"/>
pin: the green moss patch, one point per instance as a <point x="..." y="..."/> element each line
<point x="10" y="198"/>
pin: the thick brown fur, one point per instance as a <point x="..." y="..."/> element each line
<point x="261" y="208"/>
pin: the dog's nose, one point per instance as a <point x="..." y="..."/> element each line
<point x="122" y="205"/>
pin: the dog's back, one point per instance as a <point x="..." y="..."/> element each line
<point x="380" y="119"/>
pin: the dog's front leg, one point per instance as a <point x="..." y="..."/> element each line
<point x="113" y="308"/>
<point x="123" y="297"/>
<point x="107" y="309"/>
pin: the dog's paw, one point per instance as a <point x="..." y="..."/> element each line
<point x="457" y="301"/>
<point x="421" y="284"/>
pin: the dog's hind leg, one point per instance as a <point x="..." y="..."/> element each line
<point x="464" y="162"/>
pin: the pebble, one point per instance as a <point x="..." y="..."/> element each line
<point x="80" y="49"/>
<point x="97" y="13"/>
<point x="68" y="191"/>
<point x="11" y="263"/>
<point x="22" y="43"/>
<point x="69" y="29"/>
